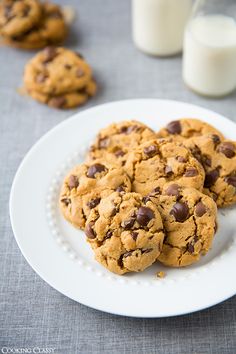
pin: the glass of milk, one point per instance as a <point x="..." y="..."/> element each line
<point x="158" y="25"/>
<point x="209" y="60"/>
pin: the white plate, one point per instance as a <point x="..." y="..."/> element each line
<point x="59" y="253"/>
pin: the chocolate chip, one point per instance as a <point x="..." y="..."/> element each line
<point x="108" y="234"/>
<point x="123" y="130"/>
<point x="79" y="73"/>
<point x="127" y="254"/>
<point x="119" y="153"/>
<point x="191" y="172"/>
<point x="73" y="182"/>
<point x="113" y="212"/>
<point x="57" y="102"/>
<point x="67" y="66"/>
<point x="228" y="149"/>
<point x="200" y="209"/>
<point x="146" y="199"/>
<point x="156" y="190"/>
<point x="128" y="224"/>
<point x="66" y="201"/>
<point x="197" y="153"/>
<point x="94" y="169"/>
<point x="211" y="178"/>
<point x="190" y="248"/>
<point x="150" y="151"/>
<point x="89" y="232"/>
<point x="128" y="130"/>
<point x="93" y="203"/>
<point x="231" y="180"/>
<point x="216" y="139"/>
<point x="205" y="161"/>
<point x="174" y="127"/>
<point x="120" y="189"/>
<point x="180" y="211"/>
<point x="103" y="143"/>
<point x="41" y="77"/>
<point x="147" y="250"/>
<point x="144" y="215"/>
<point x="181" y="159"/>
<point x="49" y="54"/>
<point x="134" y="236"/>
<point x="153" y="193"/>
<point x="173" y="189"/>
<point x="168" y="170"/>
<point x="120" y="262"/>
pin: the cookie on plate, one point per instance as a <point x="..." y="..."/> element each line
<point x="125" y="234"/>
<point x="182" y="129"/>
<point x="114" y="142"/>
<point x="54" y="71"/>
<point x="159" y="161"/>
<point x="50" y="30"/>
<point x="190" y="222"/>
<point x="86" y="185"/>
<point x="17" y="17"/>
<point x="218" y="158"/>
<point x="66" y="100"/>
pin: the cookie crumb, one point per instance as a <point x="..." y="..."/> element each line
<point x="161" y="275"/>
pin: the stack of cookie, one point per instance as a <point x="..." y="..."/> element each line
<point x="30" y="24"/>
<point x="59" y="77"/>
<point x="144" y="197"/>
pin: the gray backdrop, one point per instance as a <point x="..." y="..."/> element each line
<point x="32" y="313"/>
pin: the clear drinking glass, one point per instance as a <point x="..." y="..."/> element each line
<point x="158" y="25"/>
<point x="209" y="61"/>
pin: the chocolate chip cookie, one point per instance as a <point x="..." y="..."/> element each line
<point x="189" y="219"/>
<point x="125" y="233"/>
<point x="66" y="100"/>
<point x="86" y="185"/>
<point x="17" y="17"/>
<point x="218" y="158"/>
<point x="115" y="142"/>
<point x="55" y="71"/>
<point x="182" y="129"/>
<point x="50" y="30"/>
<point x="156" y="162"/>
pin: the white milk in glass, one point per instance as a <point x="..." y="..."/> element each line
<point x="209" y="63"/>
<point x="158" y="25"/>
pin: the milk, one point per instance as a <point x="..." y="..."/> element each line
<point x="158" y="25"/>
<point x="209" y="63"/>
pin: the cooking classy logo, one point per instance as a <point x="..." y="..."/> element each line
<point x="34" y="350"/>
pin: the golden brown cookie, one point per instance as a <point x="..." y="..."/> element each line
<point x="156" y="162"/>
<point x="66" y="100"/>
<point x="17" y="17"/>
<point x="86" y="185"/>
<point x="55" y="71"/>
<point x="125" y="234"/>
<point x="114" y="142"/>
<point x="182" y="129"/>
<point x="190" y="221"/>
<point x="218" y="158"/>
<point x="50" y="30"/>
